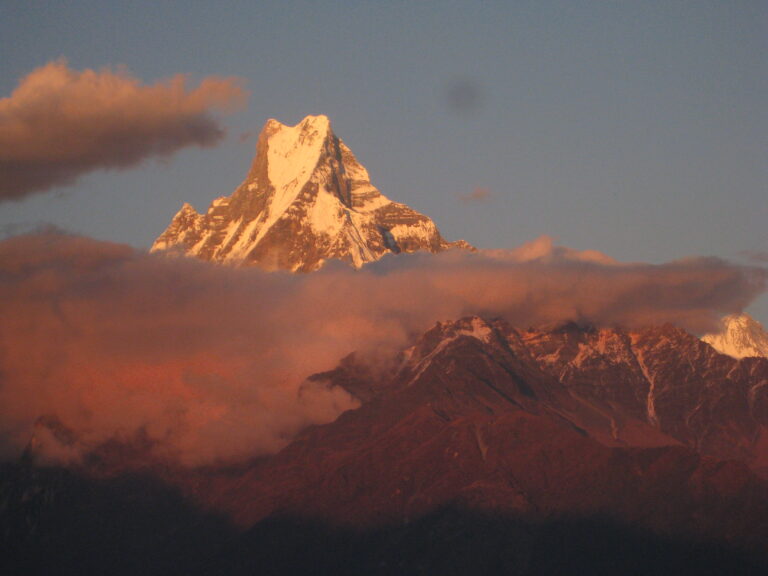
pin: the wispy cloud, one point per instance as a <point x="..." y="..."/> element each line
<point x="60" y="123"/>
<point x="756" y="256"/>
<point x="208" y="363"/>
<point x="477" y="195"/>
<point x="464" y="95"/>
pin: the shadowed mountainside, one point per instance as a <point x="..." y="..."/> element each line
<point x="69" y="525"/>
<point x="482" y="448"/>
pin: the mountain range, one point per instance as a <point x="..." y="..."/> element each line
<point x="481" y="447"/>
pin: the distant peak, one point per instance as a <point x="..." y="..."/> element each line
<point x="741" y="336"/>
<point x="305" y="200"/>
<point x="320" y="122"/>
<point x="186" y="211"/>
<point x="474" y="326"/>
<point x="740" y="320"/>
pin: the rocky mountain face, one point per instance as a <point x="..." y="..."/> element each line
<point x="522" y="451"/>
<point x="667" y="379"/>
<point x="475" y="399"/>
<point x="306" y="200"/>
<point x="741" y="337"/>
<point x="561" y="429"/>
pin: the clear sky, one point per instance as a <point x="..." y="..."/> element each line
<point x="639" y="129"/>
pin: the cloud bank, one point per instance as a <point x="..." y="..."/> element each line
<point x="207" y="363"/>
<point x="60" y="123"/>
<point x="756" y="256"/>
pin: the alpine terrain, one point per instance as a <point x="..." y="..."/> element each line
<point x="305" y="200"/>
<point x="481" y="448"/>
<point x="474" y="446"/>
<point x="741" y="337"/>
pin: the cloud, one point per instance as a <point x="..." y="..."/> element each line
<point x="544" y="250"/>
<point x="477" y="195"/>
<point x="201" y="360"/>
<point x="60" y="123"/>
<point x="206" y="363"/>
<point x="464" y="95"/>
<point x="755" y="256"/>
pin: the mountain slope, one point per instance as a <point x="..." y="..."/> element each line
<point x="667" y="378"/>
<point x="305" y="200"/>
<point x="529" y="451"/>
<point x="741" y="337"/>
<point x="470" y="420"/>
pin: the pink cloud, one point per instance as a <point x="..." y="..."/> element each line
<point x="477" y="195"/>
<point x="60" y="123"/>
<point x="756" y="256"/>
<point x="208" y="363"/>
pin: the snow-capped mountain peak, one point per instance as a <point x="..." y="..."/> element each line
<point x="306" y="199"/>
<point x="294" y="151"/>
<point x="741" y="337"/>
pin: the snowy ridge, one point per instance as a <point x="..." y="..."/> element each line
<point x="305" y="200"/>
<point x="650" y="386"/>
<point x="478" y="328"/>
<point x="741" y="337"/>
<point x="441" y="337"/>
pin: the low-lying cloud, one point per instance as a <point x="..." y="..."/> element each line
<point x="208" y="363"/>
<point x="60" y="123"/>
<point x="756" y="256"/>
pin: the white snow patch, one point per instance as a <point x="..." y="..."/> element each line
<point x="230" y="232"/>
<point x="244" y="243"/>
<point x="478" y="329"/>
<point x="425" y="362"/>
<point x="326" y="215"/>
<point x="650" y="401"/>
<point x="423" y="230"/>
<point x="222" y="201"/>
<point x="741" y="337"/>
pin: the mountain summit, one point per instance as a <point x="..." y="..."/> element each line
<point x="741" y="337"/>
<point x="305" y="200"/>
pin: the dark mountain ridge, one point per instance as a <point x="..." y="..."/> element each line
<point x="511" y="446"/>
